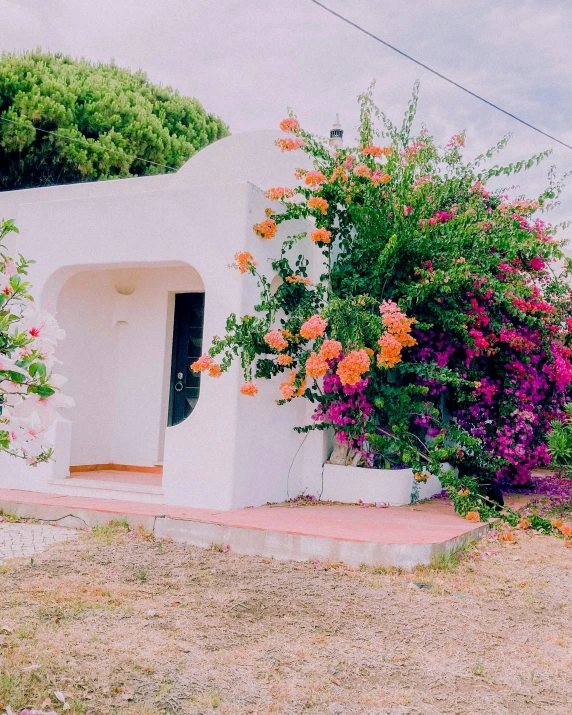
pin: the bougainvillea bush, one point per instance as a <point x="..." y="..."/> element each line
<point x="439" y="329"/>
<point x="30" y="395"/>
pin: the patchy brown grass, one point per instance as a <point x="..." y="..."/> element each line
<point x="127" y="625"/>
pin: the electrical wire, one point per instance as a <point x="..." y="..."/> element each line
<point x="85" y="142"/>
<point x="438" y="74"/>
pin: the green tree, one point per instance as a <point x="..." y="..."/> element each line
<point x="103" y="117"/>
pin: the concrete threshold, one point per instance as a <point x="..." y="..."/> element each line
<point x="77" y="486"/>
<point x="398" y="536"/>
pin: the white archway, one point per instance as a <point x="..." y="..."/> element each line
<point x="117" y="357"/>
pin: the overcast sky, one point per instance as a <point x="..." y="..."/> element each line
<point x="249" y="60"/>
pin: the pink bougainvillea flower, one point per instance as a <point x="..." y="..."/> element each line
<point x="537" y="264"/>
<point x="457" y="140"/>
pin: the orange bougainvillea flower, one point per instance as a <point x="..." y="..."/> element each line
<point x="289" y="144"/>
<point x="339" y="172"/>
<point x="351" y="368"/>
<point x="566" y="530"/>
<point x="314" y="178"/>
<point x="370" y="150"/>
<point x="362" y="170"/>
<point x="249" y="388"/>
<point x="318" y="203"/>
<point x="390" y="352"/>
<point x="473" y="516"/>
<point x="284" y="360"/>
<point x="279" y="193"/>
<point x="379" y="177"/>
<point x="321" y="235"/>
<point x="266" y="229"/>
<point x="524" y="524"/>
<point x="214" y="370"/>
<point x="464" y="492"/>
<point x="557" y="523"/>
<point x="330" y="349"/>
<point x="314" y="327"/>
<point x="316" y="366"/>
<point x="298" y="279"/>
<point x="399" y="326"/>
<point x="287" y="389"/>
<point x="202" y="364"/>
<point x="397" y="323"/>
<point x="421" y="477"/>
<point x="568" y="542"/>
<point x="276" y="340"/>
<point x="290" y="124"/>
<point x="244" y="261"/>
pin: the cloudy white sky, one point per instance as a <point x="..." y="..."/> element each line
<point x="248" y="60"/>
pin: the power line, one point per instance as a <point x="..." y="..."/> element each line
<point x="438" y="74"/>
<point x="85" y="142"/>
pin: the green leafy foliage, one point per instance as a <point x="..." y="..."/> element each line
<point x="560" y="439"/>
<point x="104" y="116"/>
<point x="410" y="235"/>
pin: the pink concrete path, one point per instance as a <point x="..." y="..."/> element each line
<point x="429" y="523"/>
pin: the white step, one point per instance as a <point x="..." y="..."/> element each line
<point x="107" y="490"/>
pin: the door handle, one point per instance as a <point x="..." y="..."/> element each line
<point x="179" y="386"/>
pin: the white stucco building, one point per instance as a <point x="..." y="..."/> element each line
<point x="137" y="273"/>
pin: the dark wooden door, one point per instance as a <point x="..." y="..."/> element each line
<point x="187" y="347"/>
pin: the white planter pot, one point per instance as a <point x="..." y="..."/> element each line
<point x="392" y="486"/>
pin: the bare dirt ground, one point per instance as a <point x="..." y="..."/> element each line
<point x="120" y="624"/>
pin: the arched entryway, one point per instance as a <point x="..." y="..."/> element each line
<point x="118" y="357"/>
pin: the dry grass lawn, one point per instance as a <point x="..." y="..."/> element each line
<point x="127" y="625"/>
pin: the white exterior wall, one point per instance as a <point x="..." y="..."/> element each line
<point x="162" y="235"/>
